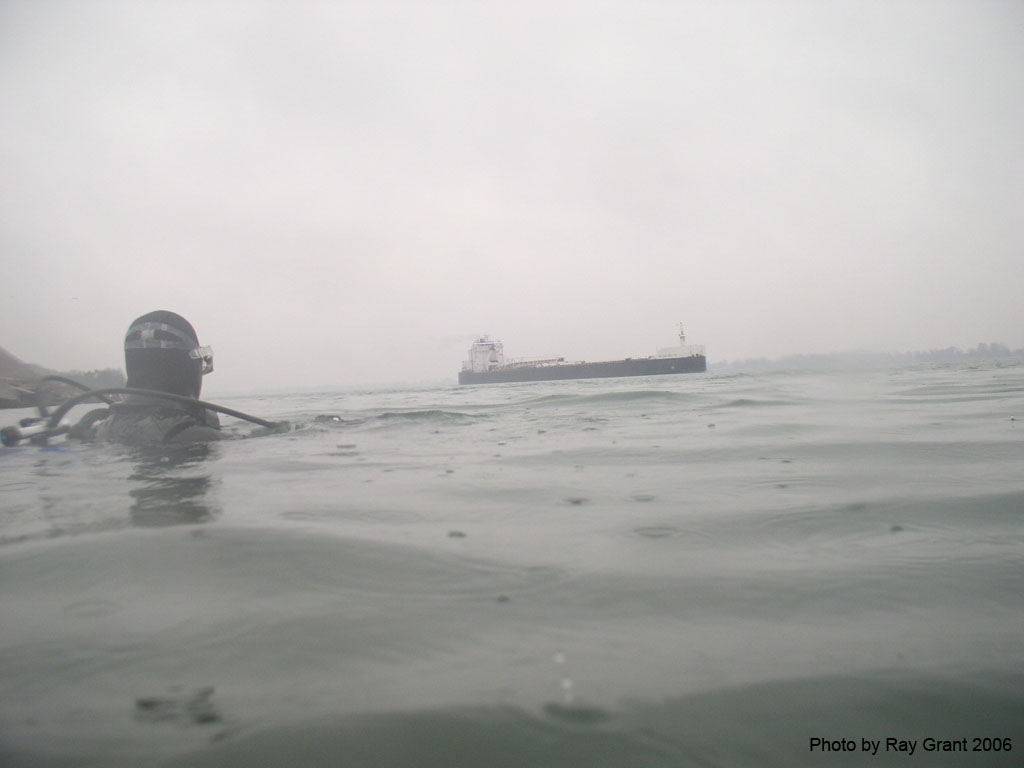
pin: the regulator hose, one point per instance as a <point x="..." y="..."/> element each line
<point x="62" y="380"/>
<point x="67" y="405"/>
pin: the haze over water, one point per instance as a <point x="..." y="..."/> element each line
<point x="347" y="193"/>
<point x="707" y="569"/>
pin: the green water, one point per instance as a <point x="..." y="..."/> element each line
<point x="702" y="570"/>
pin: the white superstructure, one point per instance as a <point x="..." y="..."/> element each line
<point x="487" y="354"/>
<point x="683" y="349"/>
<point x="484" y="355"/>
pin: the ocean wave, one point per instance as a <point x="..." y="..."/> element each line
<point x="630" y="396"/>
<point x="744" y="402"/>
<point x="430" y="416"/>
<point x="423" y="416"/>
<point x="769" y="723"/>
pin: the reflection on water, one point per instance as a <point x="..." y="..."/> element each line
<point x="169" y="486"/>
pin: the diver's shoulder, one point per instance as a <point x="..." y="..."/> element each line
<point x="145" y="424"/>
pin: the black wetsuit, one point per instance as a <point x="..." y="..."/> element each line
<point x="149" y="421"/>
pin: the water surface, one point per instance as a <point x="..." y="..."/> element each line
<point x="705" y="570"/>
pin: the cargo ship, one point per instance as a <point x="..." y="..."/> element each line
<point x="487" y="364"/>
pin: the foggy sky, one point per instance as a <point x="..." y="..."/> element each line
<point x="348" y="192"/>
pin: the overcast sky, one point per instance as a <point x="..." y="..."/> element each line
<point x="347" y="192"/>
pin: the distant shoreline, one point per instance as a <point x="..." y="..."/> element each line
<point x="19" y="380"/>
<point x="993" y="351"/>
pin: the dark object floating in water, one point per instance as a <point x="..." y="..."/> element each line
<point x="456" y="535"/>
<point x="487" y="364"/>
<point x="182" y="708"/>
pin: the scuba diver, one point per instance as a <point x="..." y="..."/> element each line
<point x="165" y="366"/>
<point x="162" y="354"/>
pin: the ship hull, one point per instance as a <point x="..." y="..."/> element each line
<point x="651" y="366"/>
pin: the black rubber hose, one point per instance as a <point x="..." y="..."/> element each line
<point x="76" y="385"/>
<point x="67" y="405"/>
<point x="62" y="380"/>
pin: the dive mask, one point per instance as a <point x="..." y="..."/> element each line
<point x="164" y="336"/>
<point x="206" y="355"/>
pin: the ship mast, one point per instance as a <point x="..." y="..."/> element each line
<point x="682" y="335"/>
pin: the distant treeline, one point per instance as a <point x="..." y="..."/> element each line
<point x="98" y="379"/>
<point x="990" y="351"/>
<point x="982" y="351"/>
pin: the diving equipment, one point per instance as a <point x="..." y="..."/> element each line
<point x="49" y="425"/>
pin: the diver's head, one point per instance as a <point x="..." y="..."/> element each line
<point x="162" y="352"/>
